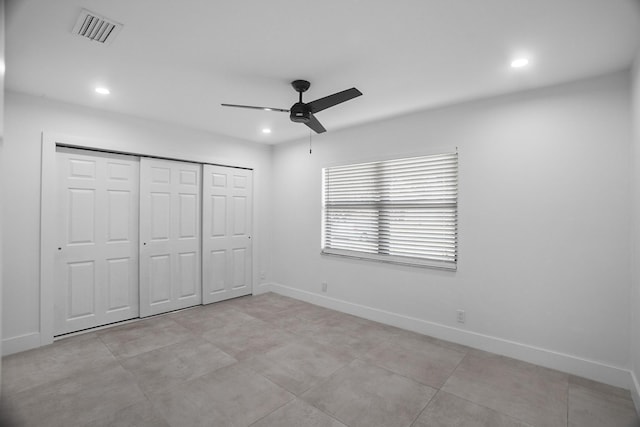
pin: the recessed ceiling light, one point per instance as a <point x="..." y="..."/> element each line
<point x="103" y="90"/>
<point x="266" y="130"/>
<point x="519" y="63"/>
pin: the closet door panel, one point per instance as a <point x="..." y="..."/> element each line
<point x="170" y="264"/>
<point x="226" y="243"/>
<point x="96" y="273"/>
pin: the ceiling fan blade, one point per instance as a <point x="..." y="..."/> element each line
<point x="331" y="100"/>
<point x="315" y="125"/>
<point x="280" y="110"/>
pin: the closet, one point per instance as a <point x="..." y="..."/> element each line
<point x="139" y="236"/>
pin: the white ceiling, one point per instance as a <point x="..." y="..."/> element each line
<point x="176" y="61"/>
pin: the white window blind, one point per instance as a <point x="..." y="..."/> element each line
<point x="403" y="211"/>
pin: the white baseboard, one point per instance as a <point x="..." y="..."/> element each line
<point x="20" y="343"/>
<point x="601" y="372"/>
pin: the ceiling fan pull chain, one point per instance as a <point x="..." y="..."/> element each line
<point x="309" y="141"/>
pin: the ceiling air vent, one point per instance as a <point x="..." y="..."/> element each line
<point x="95" y="27"/>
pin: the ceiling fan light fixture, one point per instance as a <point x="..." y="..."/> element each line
<point x="300" y="113"/>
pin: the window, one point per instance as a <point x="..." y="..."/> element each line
<point x="403" y="211"/>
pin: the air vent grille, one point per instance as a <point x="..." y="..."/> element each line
<point x="95" y="27"/>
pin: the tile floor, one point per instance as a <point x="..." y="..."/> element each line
<point x="273" y="361"/>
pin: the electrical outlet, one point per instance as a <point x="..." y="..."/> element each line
<point x="324" y="286"/>
<point x="460" y="316"/>
<point x="263" y="275"/>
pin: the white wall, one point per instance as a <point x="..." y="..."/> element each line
<point x="544" y="216"/>
<point x="635" y="260"/>
<point x="26" y="118"/>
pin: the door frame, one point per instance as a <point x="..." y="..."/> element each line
<point x="48" y="214"/>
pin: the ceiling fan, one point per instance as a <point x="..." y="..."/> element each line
<point x="301" y="112"/>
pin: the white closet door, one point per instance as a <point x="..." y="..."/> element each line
<point x="96" y="273"/>
<point x="226" y="243"/>
<point x="170" y="274"/>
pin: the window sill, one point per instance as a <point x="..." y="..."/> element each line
<point x="411" y="262"/>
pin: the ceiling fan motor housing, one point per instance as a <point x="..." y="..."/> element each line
<point x="300" y="113"/>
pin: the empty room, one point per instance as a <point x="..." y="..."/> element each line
<point x="339" y="213"/>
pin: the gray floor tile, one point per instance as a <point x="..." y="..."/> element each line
<point x="266" y="301"/>
<point x="247" y="339"/>
<point x="376" y="332"/>
<point x="77" y="400"/>
<point x="336" y="335"/>
<point x="271" y="307"/>
<point x="230" y="396"/>
<point x="204" y="318"/>
<point x="61" y="359"/>
<point x="521" y="390"/>
<point x="442" y="343"/>
<point x="295" y="318"/>
<point x="139" y="415"/>
<point x="599" y="387"/>
<point x="593" y="405"/>
<point x="365" y="395"/>
<point x="8" y="413"/>
<point x="270" y="314"/>
<point x="146" y="335"/>
<point x="243" y="361"/>
<point x="447" y="410"/>
<point x="176" y="363"/>
<point x="298" y="365"/>
<point x="309" y="313"/>
<point x="298" y="414"/>
<point x="343" y="321"/>
<point x="419" y="360"/>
